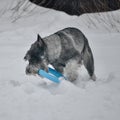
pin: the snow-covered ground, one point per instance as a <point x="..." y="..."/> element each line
<point x="32" y="98"/>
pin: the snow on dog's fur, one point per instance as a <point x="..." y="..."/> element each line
<point x="65" y="50"/>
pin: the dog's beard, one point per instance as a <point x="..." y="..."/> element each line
<point x="33" y="69"/>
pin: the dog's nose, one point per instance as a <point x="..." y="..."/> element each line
<point x="27" y="71"/>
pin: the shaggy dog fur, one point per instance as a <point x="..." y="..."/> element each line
<point x="66" y="50"/>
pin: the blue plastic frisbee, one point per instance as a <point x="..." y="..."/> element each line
<point x="52" y="75"/>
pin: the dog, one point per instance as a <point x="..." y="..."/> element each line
<point x="66" y="50"/>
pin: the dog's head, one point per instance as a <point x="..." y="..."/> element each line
<point x="36" y="57"/>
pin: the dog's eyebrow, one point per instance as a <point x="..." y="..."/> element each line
<point x="27" y="57"/>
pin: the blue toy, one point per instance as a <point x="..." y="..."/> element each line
<point x="52" y="75"/>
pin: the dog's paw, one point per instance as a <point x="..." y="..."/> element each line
<point x="93" y="77"/>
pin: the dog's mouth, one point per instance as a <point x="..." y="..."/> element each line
<point x="33" y="70"/>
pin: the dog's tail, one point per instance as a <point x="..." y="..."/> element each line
<point x="88" y="60"/>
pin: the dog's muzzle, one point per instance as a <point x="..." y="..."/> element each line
<point x="33" y="69"/>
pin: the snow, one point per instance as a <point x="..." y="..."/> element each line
<point x="32" y="98"/>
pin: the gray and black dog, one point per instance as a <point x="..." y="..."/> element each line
<point x="65" y="50"/>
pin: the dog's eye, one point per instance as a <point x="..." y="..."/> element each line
<point x="42" y="57"/>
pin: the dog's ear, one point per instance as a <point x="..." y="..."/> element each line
<point x="40" y="40"/>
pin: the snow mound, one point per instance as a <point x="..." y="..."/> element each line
<point x="32" y="98"/>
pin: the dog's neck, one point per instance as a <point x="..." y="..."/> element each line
<point x="53" y="50"/>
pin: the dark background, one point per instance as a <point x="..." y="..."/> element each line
<point x="78" y="7"/>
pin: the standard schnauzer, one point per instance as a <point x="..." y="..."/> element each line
<point x="65" y="50"/>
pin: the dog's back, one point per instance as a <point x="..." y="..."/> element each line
<point x="68" y="40"/>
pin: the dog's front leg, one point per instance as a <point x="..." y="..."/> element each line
<point x="59" y="66"/>
<point x="70" y="71"/>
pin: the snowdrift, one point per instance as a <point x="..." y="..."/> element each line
<point x="32" y="98"/>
